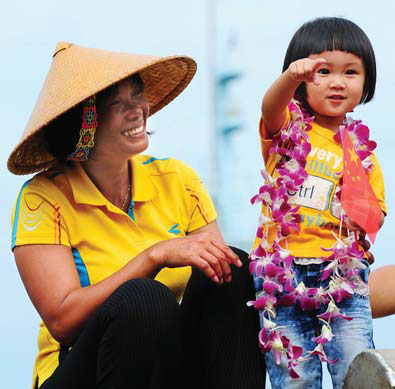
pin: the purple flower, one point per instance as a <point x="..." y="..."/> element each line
<point x="263" y="302"/>
<point x="282" y="255"/>
<point x="325" y="337"/>
<point x="271" y="269"/>
<point x="333" y="312"/>
<point x="268" y="324"/>
<point x="319" y="350"/>
<point x="285" y="217"/>
<point x="271" y="287"/>
<point x="293" y="353"/>
<point x="274" y="343"/>
<point x="264" y="342"/>
<point x="340" y="289"/>
<point x="293" y="170"/>
<point x="288" y="299"/>
<point x="312" y="298"/>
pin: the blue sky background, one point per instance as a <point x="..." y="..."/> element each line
<point x="29" y="32"/>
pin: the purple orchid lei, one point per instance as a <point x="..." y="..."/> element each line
<point x="272" y="264"/>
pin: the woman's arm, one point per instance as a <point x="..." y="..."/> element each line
<point x="283" y="89"/>
<point x="51" y="280"/>
<point x="52" y="283"/>
<point x="382" y="291"/>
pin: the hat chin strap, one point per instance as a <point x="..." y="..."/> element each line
<point x="87" y="132"/>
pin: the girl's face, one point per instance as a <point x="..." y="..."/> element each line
<point x="341" y="81"/>
<point x="122" y="119"/>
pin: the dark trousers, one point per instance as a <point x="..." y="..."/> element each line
<point x="141" y="338"/>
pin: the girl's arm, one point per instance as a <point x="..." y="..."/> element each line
<point x="283" y="89"/>
<point x="51" y="280"/>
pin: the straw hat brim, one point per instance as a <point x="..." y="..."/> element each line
<point x="77" y="73"/>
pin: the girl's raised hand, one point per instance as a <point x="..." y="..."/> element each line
<point x="305" y="69"/>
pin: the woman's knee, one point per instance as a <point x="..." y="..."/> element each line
<point x="241" y="275"/>
<point x="140" y="300"/>
<point x="243" y="256"/>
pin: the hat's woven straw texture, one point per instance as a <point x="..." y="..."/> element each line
<point x="77" y="73"/>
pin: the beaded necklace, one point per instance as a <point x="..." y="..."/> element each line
<point x="271" y="264"/>
<point x="126" y="197"/>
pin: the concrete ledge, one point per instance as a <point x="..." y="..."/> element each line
<point x="372" y="369"/>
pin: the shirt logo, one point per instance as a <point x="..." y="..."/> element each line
<point x="314" y="193"/>
<point x="31" y="217"/>
<point x="173" y="229"/>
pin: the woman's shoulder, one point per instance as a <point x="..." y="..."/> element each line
<point x="45" y="183"/>
<point x="163" y="165"/>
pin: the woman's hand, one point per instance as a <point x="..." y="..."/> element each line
<point x="203" y="248"/>
<point x="305" y="69"/>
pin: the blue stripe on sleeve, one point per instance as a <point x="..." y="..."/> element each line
<point x="81" y="268"/>
<point x="16" y="216"/>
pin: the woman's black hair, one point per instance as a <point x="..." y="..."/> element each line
<point x="62" y="134"/>
<point x="329" y="34"/>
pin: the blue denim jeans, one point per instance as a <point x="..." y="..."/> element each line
<point x="351" y="337"/>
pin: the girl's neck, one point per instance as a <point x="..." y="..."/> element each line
<point x="332" y="123"/>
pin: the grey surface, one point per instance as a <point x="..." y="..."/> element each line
<point x="372" y="369"/>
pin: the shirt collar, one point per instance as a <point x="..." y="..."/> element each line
<point x="86" y="192"/>
<point x="143" y="188"/>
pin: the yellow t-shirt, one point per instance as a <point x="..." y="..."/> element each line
<point x="318" y="206"/>
<point x="65" y="207"/>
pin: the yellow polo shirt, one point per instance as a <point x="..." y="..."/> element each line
<point x="319" y="207"/>
<point x="65" y="207"/>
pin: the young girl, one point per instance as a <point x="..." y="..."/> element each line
<point x="310" y="274"/>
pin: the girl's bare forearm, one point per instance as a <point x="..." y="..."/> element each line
<point x="276" y="100"/>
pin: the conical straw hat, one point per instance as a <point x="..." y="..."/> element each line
<point x="79" y="72"/>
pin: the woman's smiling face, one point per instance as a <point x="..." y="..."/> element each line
<point x="122" y="118"/>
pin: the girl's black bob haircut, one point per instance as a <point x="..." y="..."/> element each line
<point x="330" y="34"/>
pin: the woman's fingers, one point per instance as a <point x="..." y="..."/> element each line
<point x="223" y="260"/>
<point x="214" y="259"/>
<point x="210" y="255"/>
<point x="215" y="264"/>
<point x="206" y="268"/>
<point x="229" y="253"/>
<point x="223" y="256"/>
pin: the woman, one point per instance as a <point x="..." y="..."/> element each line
<point x="104" y="238"/>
